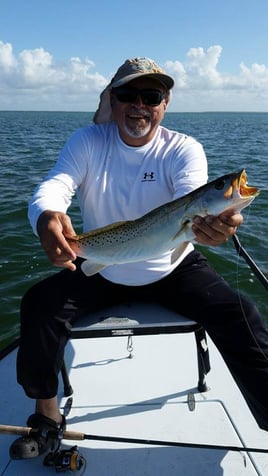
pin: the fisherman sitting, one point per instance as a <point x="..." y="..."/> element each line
<point x="121" y="167"/>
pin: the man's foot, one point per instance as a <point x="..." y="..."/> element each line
<point x="39" y="443"/>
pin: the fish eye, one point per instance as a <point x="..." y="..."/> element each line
<point x="219" y="184"/>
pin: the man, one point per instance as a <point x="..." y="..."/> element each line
<point x="120" y="168"/>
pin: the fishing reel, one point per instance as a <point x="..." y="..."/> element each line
<point x="65" y="460"/>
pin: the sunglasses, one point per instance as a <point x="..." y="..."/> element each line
<point x="149" y="97"/>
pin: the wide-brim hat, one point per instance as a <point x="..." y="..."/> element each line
<point x="131" y="69"/>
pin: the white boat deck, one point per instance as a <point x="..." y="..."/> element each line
<point x="144" y="397"/>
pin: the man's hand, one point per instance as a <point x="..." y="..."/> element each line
<point x="214" y="231"/>
<point x="52" y="227"/>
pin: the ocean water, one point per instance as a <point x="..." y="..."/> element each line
<point x="29" y="145"/>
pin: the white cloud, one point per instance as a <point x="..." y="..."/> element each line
<point x="200" y="86"/>
<point x="35" y="68"/>
<point x="33" y="80"/>
<point x="7" y="60"/>
<point x="203" y="64"/>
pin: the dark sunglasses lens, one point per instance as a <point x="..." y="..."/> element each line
<point x="150" y="97"/>
<point x="126" y="95"/>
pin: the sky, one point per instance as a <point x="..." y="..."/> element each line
<point x="60" y="54"/>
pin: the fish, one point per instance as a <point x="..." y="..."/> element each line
<point x="165" y="228"/>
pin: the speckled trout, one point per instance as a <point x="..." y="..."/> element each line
<point x="167" y="227"/>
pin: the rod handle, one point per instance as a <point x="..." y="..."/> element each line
<point x="15" y="430"/>
<point x="26" y="431"/>
<point x="73" y="435"/>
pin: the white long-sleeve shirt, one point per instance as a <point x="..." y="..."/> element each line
<point x="117" y="182"/>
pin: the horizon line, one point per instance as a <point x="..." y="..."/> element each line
<point x="168" y="112"/>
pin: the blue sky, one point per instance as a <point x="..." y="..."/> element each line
<point x="60" y="54"/>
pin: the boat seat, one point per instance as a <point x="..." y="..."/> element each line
<point x="140" y="319"/>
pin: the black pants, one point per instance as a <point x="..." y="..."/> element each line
<point x="50" y="307"/>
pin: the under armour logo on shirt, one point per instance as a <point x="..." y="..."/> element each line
<point x="148" y="177"/>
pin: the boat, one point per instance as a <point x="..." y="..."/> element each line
<point x="141" y="398"/>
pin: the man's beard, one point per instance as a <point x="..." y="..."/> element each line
<point x="137" y="129"/>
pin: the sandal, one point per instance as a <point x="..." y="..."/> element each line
<point x="35" y="445"/>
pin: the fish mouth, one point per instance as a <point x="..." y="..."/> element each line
<point x="239" y="185"/>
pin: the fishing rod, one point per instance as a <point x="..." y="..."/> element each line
<point x="256" y="270"/>
<point x="76" y="435"/>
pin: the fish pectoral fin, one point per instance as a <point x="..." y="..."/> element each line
<point x="185" y="233"/>
<point x="90" y="267"/>
<point x="184" y="229"/>
<point x="178" y="251"/>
